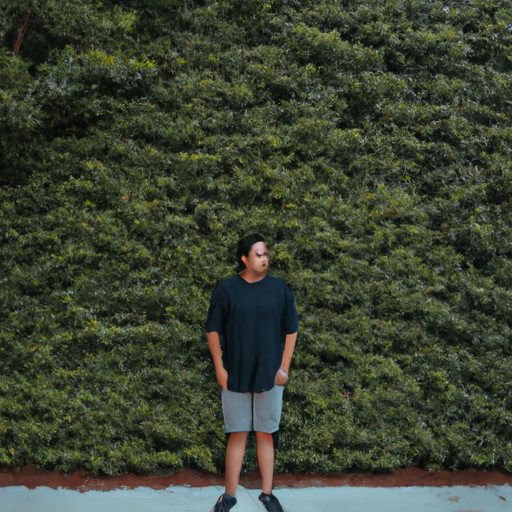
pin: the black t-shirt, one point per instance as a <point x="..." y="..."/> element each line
<point x="252" y="320"/>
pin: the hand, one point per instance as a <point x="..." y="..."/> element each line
<point x="281" y="378"/>
<point x="222" y="378"/>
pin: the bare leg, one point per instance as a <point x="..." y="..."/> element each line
<point x="265" y="454"/>
<point x="234" y="460"/>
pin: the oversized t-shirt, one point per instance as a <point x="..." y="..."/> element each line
<point x="252" y="320"/>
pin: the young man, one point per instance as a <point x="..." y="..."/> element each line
<point x="251" y="328"/>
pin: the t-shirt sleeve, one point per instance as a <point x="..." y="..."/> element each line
<point x="291" y="319"/>
<point x="215" y="317"/>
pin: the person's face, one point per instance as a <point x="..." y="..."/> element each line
<point x="258" y="258"/>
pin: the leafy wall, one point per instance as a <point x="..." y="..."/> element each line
<point x="370" y="141"/>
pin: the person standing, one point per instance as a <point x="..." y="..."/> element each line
<point x="251" y="329"/>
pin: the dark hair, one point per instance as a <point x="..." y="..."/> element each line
<point x="244" y="246"/>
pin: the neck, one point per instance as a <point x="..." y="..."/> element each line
<point x="251" y="277"/>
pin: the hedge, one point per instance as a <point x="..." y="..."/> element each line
<point x="370" y="141"/>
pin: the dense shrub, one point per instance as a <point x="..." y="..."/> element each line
<point x="370" y="141"/>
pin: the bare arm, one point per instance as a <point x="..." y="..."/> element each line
<point x="289" y="347"/>
<point x="216" y="351"/>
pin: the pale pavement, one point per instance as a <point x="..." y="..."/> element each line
<point x="312" y="499"/>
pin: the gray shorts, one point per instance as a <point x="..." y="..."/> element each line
<point x="246" y="412"/>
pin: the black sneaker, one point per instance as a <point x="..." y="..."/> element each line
<point x="271" y="502"/>
<point x="224" y="503"/>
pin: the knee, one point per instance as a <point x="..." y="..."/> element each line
<point x="236" y="438"/>
<point x="263" y="437"/>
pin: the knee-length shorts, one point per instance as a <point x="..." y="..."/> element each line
<point x="258" y="412"/>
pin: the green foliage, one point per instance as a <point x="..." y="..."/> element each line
<point x="370" y="141"/>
